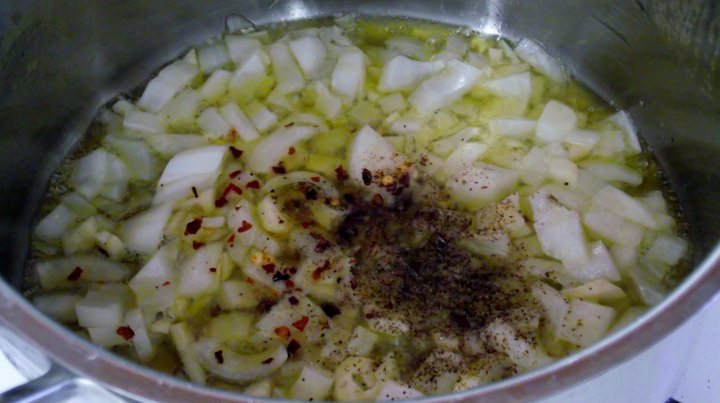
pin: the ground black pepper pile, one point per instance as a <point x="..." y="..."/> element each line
<point x="409" y="262"/>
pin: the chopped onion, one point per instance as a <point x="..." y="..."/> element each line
<point x="668" y="249"/>
<point x="556" y="122"/>
<point x="252" y="69"/>
<point x="194" y="165"/>
<point x="141" y="164"/>
<point x="275" y="146"/>
<point x="216" y="85"/>
<point x="625" y="206"/>
<point x="60" y="307"/>
<point x="325" y="186"/>
<point x="611" y="226"/>
<point x="171" y="80"/>
<point x="212" y="57"/>
<point x="144" y="232"/>
<point x="481" y="184"/>
<point x="212" y="124"/>
<point x="239" y="367"/>
<point x="326" y="102"/>
<point x="559" y="230"/>
<point x="533" y="54"/>
<point x="309" y="52"/>
<point x="239" y="121"/>
<point x="197" y="276"/>
<point x="348" y="77"/>
<point x="445" y="88"/>
<point x="516" y="86"/>
<point x="516" y="128"/>
<point x="143" y="122"/>
<point x="286" y="70"/>
<point x="56" y="223"/>
<point x="402" y="73"/>
<point x="622" y="120"/>
<point x="241" y="47"/>
<point x="155" y="285"/>
<point x="170" y="144"/>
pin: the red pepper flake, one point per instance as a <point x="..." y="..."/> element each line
<point x="291" y="150"/>
<point x="221" y="202"/>
<point x="366" y="176"/>
<point x="235" y="152"/>
<point x="293" y="347"/>
<point x="76" y="274"/>
<point x="306" y="224"/>
<point x="244" y="227"/>
<point x="219" y="356"/>
<point x="197" y="245"/>
<point x="372" y="315"/>
<point x="253" y="185"/>
<point x="289" y="284"/>
<point x="311" y="194"/>
<point x="291" y="124"/>
<point x="282" y="331"/>
<point x="322" y="245"/>
<point x="231" y="239"/>
<point x="250" y="281"/>
<point x="269" y="268"/>
<point x="293" y="300"/>
<point x="301" y="323"/>
<point x="212" y="269"/>
<point x="377" y="200"/>
<point x="231" y="188"/>
<point x="165" y="284"/>
<point x="195" y="192"/>
<point x="292" y="270"/>
<point x="341" y="174"/>
<point x="424" y="160"/>
<point x="324" y="324"/>
<point x="232" y="134"/>
<point x="268" y="361"/>
<point x="125" y="332"/>
<point x="315" y="179"/>
<point x="193" y="226"/>
<point x="235" y="174"/>
<point x="279" y="169"/>
<point x="318" y="271"/>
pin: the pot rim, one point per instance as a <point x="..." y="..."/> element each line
<point x="131" y="379"/>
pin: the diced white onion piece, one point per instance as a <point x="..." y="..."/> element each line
<point x="309" y="52"/>
<point x="599" y="290"/>
<point x="348" y="77"/>
<point x="144" y="232"/>
<point x="401" y="73"/>
<point x="362" y="341"/>
<point x="562" y="170"/>
<point x="585" y="139"/>
<point x="556" y="122"/>
<point x="97" y="172"/>
<point x="144" y="122"/>
<point x="60" y="307"/>
<point x="287" y="73"/>
<point x="313" y="384"/>
<point x="99" y="309"/>
<point x="668" y="249"/>
<point x="516" y="86"/>
<point x="195" y="165"/>
<point x="155" y="285"/>
<point x="327" y="103"/>
<point x="534" y="166"/>
<point x="144" y="347"/>
<point x="370" y="151"/>
<point x="275" y="146"/>
<point x="622" y="120"/>
<point x="464" y="157"/>
<point x="272" y="218"/>
<point x="81" y="238"/>
<point x="241" y="47"/>
<point x="55" y="273"/>
<point x="445" y="88"/>
<point x="507" y="214"/>
<point x="170" y="144"/>
<point x="488" y="243"/>
<point x="262" y="118"/>
<point x="237" y="294"/>
<point x="252" y="69"/>
<point x="533" y="54"/>
<point x="392" y="390"/>
<point x="611" y="226"/>
<point x="185" y="343"/>
<point x="553" y="303"/>
<point x="141" y="164"/>
<point x="625" y="206"/>
<point x="586" y="322"/>
<point x="447" y="145"/>
<point x="171" y="80"/>
<point x="559" y="231"/>
<point x="481" y="184"/>
<point x="182" y="108"/>
<point x="213" y="222"/>
<point x="212" y="124"/>
<point x="567" y="196"/>
<point x="392" y="102"/>
<point x="56" y="223"/>
<point x="216" y="85"/>
<point x="646" y="284"/>
<point x="624" y="255"/>
<point x="123" y="106"/>
<point x="599" y="266"/>
<point x="504" y="338"/>
<point x="613" y="172"/>
<point x="348" y="373"/>
<point x="106" y="336"/>
<point x="196" y="275"/>
<point x="239" y="367"/>
<point x="212" y="57"/>
<point x="516" y="128"/>
<point x="239" y="121"/>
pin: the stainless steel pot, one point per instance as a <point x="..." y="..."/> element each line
<point x="59" y="60"/>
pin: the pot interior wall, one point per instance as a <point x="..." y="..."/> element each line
<point x="60" y="60"/>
